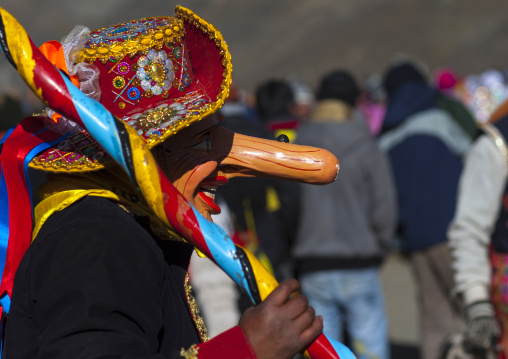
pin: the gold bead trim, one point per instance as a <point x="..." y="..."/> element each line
<point x="155" y="38"/>
<point x="196" y="315"/>
<point x="214" y="35"/>
<point x="84" y="165"/>
<point x="191" y="353"/>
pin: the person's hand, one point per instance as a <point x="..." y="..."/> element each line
<point x="283" y="325"/>
<point x="482" y="330"/>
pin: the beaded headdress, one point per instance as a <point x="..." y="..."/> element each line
<point x="156" y="74"/>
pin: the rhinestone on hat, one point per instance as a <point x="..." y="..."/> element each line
<point x="155" y="71"/>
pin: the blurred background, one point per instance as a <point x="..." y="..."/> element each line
<point x="307" y="38"/>
<point x="304" y="39"/>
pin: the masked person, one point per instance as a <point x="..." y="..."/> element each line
<point x="104" y="277"/>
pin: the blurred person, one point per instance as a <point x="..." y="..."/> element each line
<point x="255" y="202"/>
<point x="372" y="104"/>
<point x="484" y="92"/>
<point x="236" y="107"/>
<point x="446" y="80"/>
<point x="448" y="98"/>
<point x="345" y="228"/>
<point x="240" y="116"/>
<point x="303" y="98"/>
<point x="478" y="237"/>
<point x="275" y="104"/>
<point x="425" y="146"/>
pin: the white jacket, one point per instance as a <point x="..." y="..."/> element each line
<point x="480" y="194"/>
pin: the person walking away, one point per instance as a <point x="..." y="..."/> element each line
<point x="346" y="228"/>
<point x="425" y="146"/>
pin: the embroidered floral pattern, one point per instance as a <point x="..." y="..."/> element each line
<point x="153" y="122"/>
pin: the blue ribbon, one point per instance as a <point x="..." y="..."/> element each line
<point x="4" y="203"/>
<point x="34" y="152"/>
<point x="4" y="221"/>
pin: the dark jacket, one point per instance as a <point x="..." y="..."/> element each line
<point x="268" y="208"/>
<point x="96" y="284"/>
<point x="425" y="145"/>
<point x="412" y="98"/>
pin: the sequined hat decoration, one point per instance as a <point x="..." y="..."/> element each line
<point x="157" y="74"/>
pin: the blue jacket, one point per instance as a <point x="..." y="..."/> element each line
<point x="425" y="146"/>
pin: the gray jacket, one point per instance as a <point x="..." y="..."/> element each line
<point x="348" y="223"/>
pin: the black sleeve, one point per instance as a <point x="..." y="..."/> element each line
<point x="94" y="277"/>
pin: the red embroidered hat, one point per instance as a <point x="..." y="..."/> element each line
<point x="157" y="74"/>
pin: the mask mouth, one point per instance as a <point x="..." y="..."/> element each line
<point x="207" y="190"/>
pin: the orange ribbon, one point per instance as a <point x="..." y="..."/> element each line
<point x="53" y="51"/>
<point x="500" y="112"/>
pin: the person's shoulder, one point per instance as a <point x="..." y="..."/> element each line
<point x="91" y="238"/>
<point x="93" y="222"/>
<point x="88" y="210"/>
<point x="331" y="128"/>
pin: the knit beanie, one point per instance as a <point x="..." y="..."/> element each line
<point x="274" y="98"/>
<point x="339" y="85"/>
<point x="401" y="74"/>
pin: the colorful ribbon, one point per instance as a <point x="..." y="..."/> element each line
<point x="130" y="151"/>
<point x="18" y="148"/>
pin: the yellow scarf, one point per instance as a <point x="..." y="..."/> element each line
<point x="62" y="190"/>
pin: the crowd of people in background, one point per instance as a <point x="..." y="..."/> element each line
<point x="402" y="139"/>
<point x="420" y="174"/>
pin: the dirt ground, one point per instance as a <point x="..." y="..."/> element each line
<point x="401" y="306"/>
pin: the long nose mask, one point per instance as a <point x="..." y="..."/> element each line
<point x="256" y="157"/>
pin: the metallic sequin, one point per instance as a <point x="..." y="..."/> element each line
<point x="118" y="82"/>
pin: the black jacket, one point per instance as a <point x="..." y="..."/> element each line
<point x="95" y="284"/>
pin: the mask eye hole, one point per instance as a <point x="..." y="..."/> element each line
<point x="203" y="145"/>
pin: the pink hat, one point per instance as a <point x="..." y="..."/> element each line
<point x="445" y="79"/>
